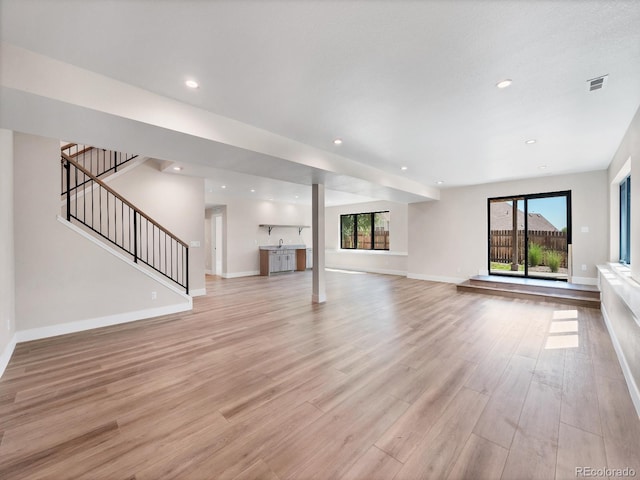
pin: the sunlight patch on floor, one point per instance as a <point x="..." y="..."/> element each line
<point x="351" y="272"/>
<point x="562" y="341"/>
<point x="561" y="325"/>
<point x="569" y="326"/>
<point x="565" y="314"/>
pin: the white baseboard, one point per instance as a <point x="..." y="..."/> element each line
<point x="209" y="272"/>
<point x="435" y="278"/>
<point x="631" y="384"/>
<point x="82" y="325"/>
<point x="584" y="280"/>
<point x="198" y="292"/>
<point x="241" y="274"/>
<point x="6" y="354"/>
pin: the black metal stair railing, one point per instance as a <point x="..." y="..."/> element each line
<point x="98" y="161"/>
<point x="98" y="207"/>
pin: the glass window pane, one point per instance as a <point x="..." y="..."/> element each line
<point x="625" y="220"/>
<point x="348" y="232"/>
<point x="381" y="231"/>
<point x="506" y="238"/>
<point x="547" y="237"/>
<point x="364" y="231"/>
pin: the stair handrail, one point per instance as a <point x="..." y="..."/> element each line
<point x="113" y="163"/>
<point x="136" y="210"/>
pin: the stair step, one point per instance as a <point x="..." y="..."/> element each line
<point x="539" y="290"/>
<point x="535" y="285"/>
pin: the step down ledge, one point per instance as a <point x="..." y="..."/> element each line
<point x="537" y="285"/>
<point x="550" y="290"/>
<point x="564" y="298"/>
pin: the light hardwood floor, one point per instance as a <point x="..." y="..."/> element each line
<point x="390" y="379"/>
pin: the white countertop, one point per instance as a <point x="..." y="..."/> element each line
<point x="283" y="247"/>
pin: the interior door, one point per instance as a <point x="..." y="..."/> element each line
<point x="218" y="244"/>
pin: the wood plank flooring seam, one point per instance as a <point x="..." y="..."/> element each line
<point x="520" y="415"/>
<point x="384" y="358"/>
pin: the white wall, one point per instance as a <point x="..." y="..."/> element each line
<point x="242" y="236"/>
<point x="176" y="202"/>
<point x="394" y="261"/>
<point x="621" y="296"/>
<point x="7" y="265"/>
<point x="626" y="161"/>
<point x="448" y="238"/>
<point x="61" y="277"/>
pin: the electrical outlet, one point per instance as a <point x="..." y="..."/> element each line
<point x="154" y="295"/>
<point x="584" y="267"/>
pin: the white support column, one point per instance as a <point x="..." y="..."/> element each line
<point x="317" y="205"/>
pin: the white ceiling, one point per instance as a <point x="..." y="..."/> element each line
<point x="402" y="83"/>
<point x="236" y="184"/>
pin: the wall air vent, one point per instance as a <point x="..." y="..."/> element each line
<point x="597" y="83"/>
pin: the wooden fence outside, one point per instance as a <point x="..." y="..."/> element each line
<point x="501" y="244"/>
<point x="381" y="241"/>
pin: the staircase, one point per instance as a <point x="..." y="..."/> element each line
<point x="99" y="161"/>
<point x="533" y="289"/>
<point x="91" y="203"/>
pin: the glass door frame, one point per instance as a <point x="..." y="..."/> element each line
<point x="526" y="198"/>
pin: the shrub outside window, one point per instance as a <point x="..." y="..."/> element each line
<point x="365" y="231"/>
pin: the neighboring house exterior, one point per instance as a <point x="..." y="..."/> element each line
<point x="502" y="219"/>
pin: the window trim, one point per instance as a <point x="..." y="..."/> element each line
<point x="624" y="225"/>
<point x="355" y="234"/>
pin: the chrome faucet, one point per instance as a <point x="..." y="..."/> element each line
<point x="280" y="243"/>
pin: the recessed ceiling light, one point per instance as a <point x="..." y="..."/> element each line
<point x="542" y="167"/>
<point x="337" y="141"/>
<point x="439" y="182"/>
<point x="504" y="83"/>
<point x="404" y="169"/>
<point x="177" y="168"/>
<point x="297" y="196"/>
<point x="223" y="186"/>
<point x="253" y="191"/>
<point x="191" y="84"/>
<point x="531" y="141"/>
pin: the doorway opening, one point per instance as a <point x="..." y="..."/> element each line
<point x="215" y="240"/>
<point x="217" y="244"/>
<point x="530" y="235"/>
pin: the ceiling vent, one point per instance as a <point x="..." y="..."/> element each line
<point x="597" y="83"/>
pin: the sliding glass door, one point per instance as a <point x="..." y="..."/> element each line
<point x="529" y="235"/>
<point x="506" y="236"/>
